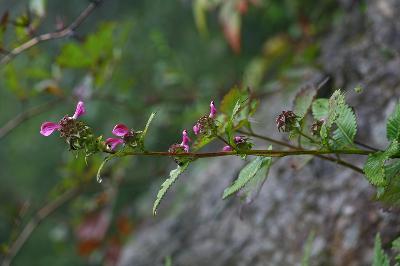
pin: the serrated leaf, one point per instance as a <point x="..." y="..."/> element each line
<point x="346" y="130"/>
<point x="253" y="187"/>
<point x="336" y="103"/>
<point x="393" y="125"/>
<point x="396" y="248"/>
<point x="391" y="192"/>
<point x="380" y="258"/>
<point x="374" y="167"/>
<point x="303" y="100"/>
<point x="320" y="109"/>
<point x="173" y="176"/>
<point x="246" y="174"/>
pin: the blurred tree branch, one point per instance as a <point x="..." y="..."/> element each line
<point x="40" y="215"/>
<point x="68" y="31"/>
<point x="26" y="115"/>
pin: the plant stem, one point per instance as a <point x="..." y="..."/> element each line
<point x="324" y="157"/>
<point x="265" y="153"/>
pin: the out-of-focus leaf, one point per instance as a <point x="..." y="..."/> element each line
<point x="230" y="99"/>
<point x="393" y="125"/>
<point x="12" y="81"/>
<point x="320" y="108"/>
<point x="231" y="23"/>
<point x="302" y="101"/>
<point x="96" y="48"/>
<point x="38" y="7"/>
<point x="200" y="18"/>
<point x="380" y="258"/>
<point x="305" y="260"/>
<point x="254" y="73"/>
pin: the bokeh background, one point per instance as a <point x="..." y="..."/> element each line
<point x="130" y="58"/>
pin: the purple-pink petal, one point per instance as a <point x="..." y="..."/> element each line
<point x="185" y="138"/>
<point x="196" y="129"/>
<point x="185" y="147"/>
<point x="227" y="148"/>
<point x="80" y="110"/>
<point x="113" y="142"/>
<point x="48" y="128"/>
<point x="120" y="130"/>
<point x="213" y="110"/>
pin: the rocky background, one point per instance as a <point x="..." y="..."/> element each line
<point x="196" y="227"/>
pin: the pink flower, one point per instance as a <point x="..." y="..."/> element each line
<point x="196" y="129"/>
<point x="120" y="130"/>
<point x="185" y="141"/>
<point x="213" y="110"/>
<point x="47" y="128"/>
<point x="124" y="134"/>
<point x="239" y="139"/>
<point x="80" y="110"/>
<point x="227" y="148"/>
<point x="113" y="142"/>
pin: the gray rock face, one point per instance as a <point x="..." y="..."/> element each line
<point x="331" y="201"/>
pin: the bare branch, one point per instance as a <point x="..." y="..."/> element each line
<point x="26" y="115"/>
<point x="68" y="31"/>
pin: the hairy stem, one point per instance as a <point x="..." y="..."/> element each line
<point x="265" y="153"/>
<point x="324" y="157"/>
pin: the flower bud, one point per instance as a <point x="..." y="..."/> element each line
<point x="286" y="121"/>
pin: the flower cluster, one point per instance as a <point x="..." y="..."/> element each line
<point x="206" y="125"/>
<point x="76" y="133"/>
<point x="286" y="121"/>
<point x="241" y="142"/>
<point x="79" y="135"/>
<point x="126" y="136"/>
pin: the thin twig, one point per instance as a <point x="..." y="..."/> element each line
<point x="365" y="145"/>
<point x="26" y="115"/>
<point x="68" y="31"/>
<point x="40" y="215"/>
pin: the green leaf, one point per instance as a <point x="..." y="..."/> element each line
<point x="37" y="7"/>
<point x="391" y="192"/>
<point x="393" y="125"/>
<point x="146" y="128"/>
<point x="253" y="187"/>
<point x="346" y="130"/>
<point x="199" y="11"/>
<point x="320" y="109"/>
<point x="230" y="99"/>
<point x="396" y="248"/>
<point x="380" y="258"/>
<point x="96" y="48"/>
<point x="247" y="173"/>
<point x="305" y="260"/>
<point x="173" y="176"/>
<point x="336" y="102"/>
<point x="303" y="100"/>
<point x="374" y="167"/>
